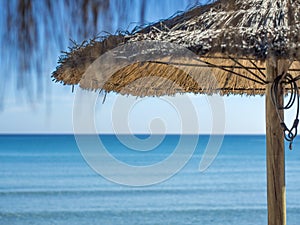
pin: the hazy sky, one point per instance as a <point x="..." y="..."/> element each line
<point x="53" y="114"/>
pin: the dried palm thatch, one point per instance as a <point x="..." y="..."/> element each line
<point x="231" y="38"/>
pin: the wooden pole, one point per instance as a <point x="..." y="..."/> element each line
<point x="276" y="191"/>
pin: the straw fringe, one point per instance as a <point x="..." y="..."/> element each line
<point x="73" y="64"/>
<point x="232" y="38"/>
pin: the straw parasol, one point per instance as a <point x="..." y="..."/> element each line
<point x="250" y="47"/>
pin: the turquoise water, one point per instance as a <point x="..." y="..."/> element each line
<point x="45" y="180"/>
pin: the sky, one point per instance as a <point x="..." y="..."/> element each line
<point x="54" y="113"/>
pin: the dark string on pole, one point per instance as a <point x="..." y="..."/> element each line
<point x="280" y="81"/>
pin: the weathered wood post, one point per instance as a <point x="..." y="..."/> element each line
<point x="275" y="149"/>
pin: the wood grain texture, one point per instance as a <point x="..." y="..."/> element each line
<point x="275" y="151"/>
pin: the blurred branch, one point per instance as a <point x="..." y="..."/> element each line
<point x="33" y="30"/>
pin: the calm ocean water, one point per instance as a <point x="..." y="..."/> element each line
<point x="45" y="180"/>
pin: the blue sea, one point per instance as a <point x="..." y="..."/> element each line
<point x="44" y="179"/>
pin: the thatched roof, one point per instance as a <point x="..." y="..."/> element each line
<point x="231" y="40"/>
